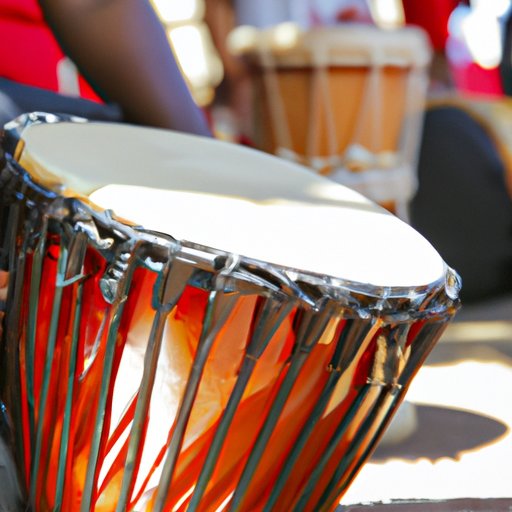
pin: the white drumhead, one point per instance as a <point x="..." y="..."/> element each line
<point x="286" y="45"/>
<point x="231" y="198"/>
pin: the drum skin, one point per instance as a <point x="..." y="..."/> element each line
<point x="147" y="373"/>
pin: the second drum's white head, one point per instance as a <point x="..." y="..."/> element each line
<point x="231" y="198"/>
<point x="345" y="45"/>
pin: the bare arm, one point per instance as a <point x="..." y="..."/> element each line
<point x="121" y="48"/>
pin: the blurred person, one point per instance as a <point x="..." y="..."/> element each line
<point x="332" y="12"/>
<point x="231" y="108"/>
<point x="119" y="48"/>
<point x="262" y="14"/>
<point x="306" y="13"/>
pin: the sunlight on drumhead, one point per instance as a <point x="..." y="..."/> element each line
<point x="322" y="238"/>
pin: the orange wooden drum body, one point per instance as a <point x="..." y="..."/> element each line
<point x="143" y="373"/>
<point x="345" y="101"/>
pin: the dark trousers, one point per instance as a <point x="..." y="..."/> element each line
<point x="16" y="99"/>
<point x="462" y="205"/>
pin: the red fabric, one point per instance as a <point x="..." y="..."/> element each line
<point x="432" y="16"/>
<point x="26" y="9"/>
<point x="29" y="53"/>
<point x="472" y="78"/>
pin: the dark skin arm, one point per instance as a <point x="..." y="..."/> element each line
<point x="121" y="48"/>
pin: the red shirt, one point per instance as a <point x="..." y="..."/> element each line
<point x="30" y="54"/>
<point x="431" y="15"/>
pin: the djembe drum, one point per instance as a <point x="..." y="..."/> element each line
<point x="250" y="361"/>
<point x="346" y="101"/>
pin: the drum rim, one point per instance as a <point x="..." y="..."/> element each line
<point x="406" y="46"/>
<point x="394" y="303"/>
<point x="397" y="302"/>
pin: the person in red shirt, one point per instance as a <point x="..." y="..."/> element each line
<point x="119" y="48"/>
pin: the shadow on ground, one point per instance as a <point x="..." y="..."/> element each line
<point x="462" y="431"/>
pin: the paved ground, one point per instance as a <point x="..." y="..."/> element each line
<point x="460" y="505"/>
<point x="460" y="456"/>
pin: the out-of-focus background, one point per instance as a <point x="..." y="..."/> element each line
<point x="409" y="103"/>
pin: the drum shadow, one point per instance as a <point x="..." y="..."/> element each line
<point x="461" y="431"/>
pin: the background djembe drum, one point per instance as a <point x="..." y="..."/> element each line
<point x="249" y="362"/>
<point x="346" y="101"/>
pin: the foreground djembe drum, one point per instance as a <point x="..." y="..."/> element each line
<point x="250" y="361"/>
<point x="346" y="101"/>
